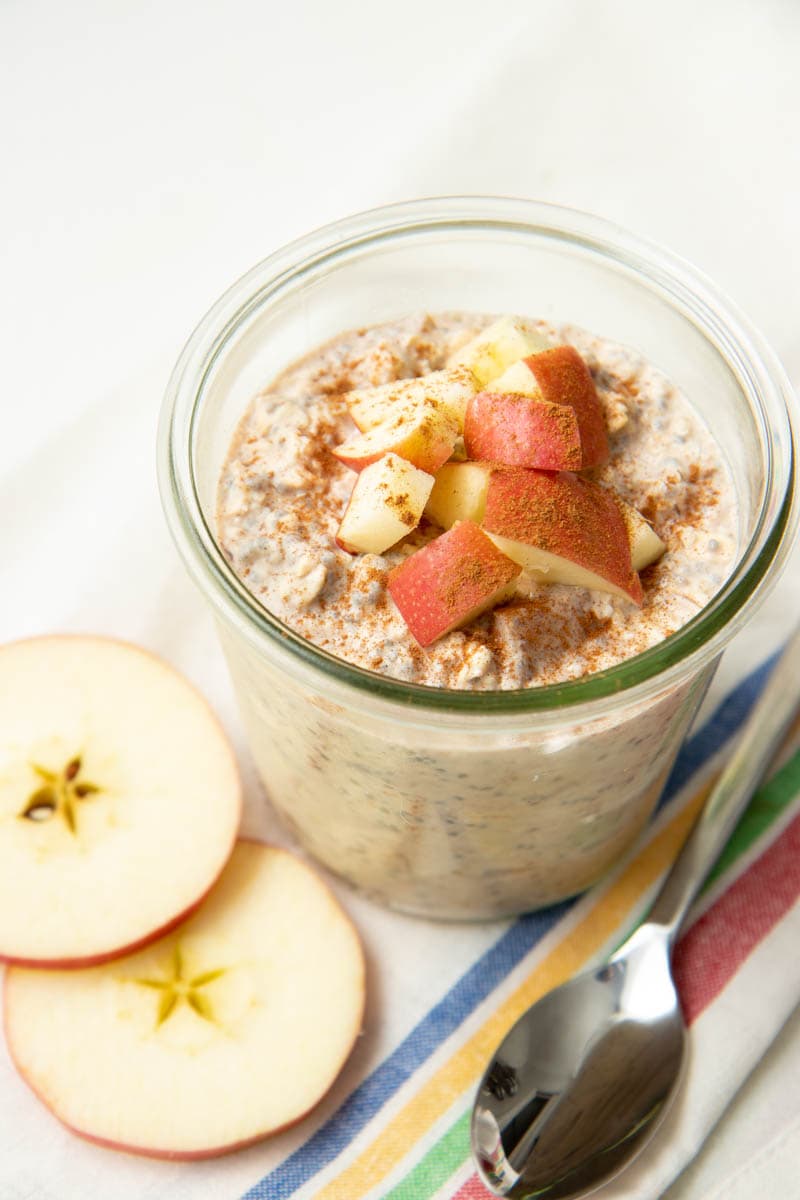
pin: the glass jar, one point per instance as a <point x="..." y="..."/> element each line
<point x="457" y="804"/>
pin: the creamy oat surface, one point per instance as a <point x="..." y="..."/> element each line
<point x="282" y="495"/>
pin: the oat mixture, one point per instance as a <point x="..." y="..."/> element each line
<point x="282" y="494"/>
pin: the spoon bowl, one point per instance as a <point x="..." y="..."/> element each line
<point x="599" y="1059"/>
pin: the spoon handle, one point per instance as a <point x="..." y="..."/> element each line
<point x="762" y="734"/>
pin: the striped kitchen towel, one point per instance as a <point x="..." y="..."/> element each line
<point x="403" y="1131"/>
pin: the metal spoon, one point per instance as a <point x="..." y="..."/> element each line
<point x="585" y="1076"/>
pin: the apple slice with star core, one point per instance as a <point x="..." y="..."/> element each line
<point x="561" y="529"/>
<point x="451" y="388"/>
<point x="385" y="505"/>
<point x="119" y="799"/>
<point x="231" y="1028"/>
<point x="505" y="427"/>
<point x="424" y="433"/>
<point x="450" y="582"/>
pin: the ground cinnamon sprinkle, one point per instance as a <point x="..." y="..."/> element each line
<point x="288" y="493"/>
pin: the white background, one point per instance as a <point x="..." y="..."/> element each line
<point x="152" y="152"/>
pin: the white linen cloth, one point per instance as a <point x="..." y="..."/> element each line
<point x="153" y="152"/>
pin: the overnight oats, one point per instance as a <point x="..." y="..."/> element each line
<point x="472" y="572"/>
<point x="285" y="508"/>
<point x="466" y="503"/>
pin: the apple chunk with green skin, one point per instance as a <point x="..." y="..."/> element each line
<point x="423" y="433"/>
<point x="505" y="427"/>
<point x="496" y="347"/>
<point x="228" y="1030"/>
<point x="561" y="529"/>
<point x="451" y="388"/>
<point x="459" y="494"/>
<point x="450" y="582"/>
<point x="385" y="505"/>
<point x="560" y="376"/>
<point x="119" y="799"/>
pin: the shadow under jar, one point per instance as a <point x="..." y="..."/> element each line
<point x="457" y="804"/>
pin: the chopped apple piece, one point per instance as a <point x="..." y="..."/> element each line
<point x="459" y="494"/>
<point x="228" y="1030"/>
<point x="646" y="545"/>
<point x="450" y="582"/>
<point x="563" y="378"/>
<point x="518" y="378"/>
<point x="386" y="504"/>
<point x="119" y="800"/>
<point x="561" y="529"/>
<point x="497" y="347"/>
<point x="459" y="452"/>
<point x="423" y="433"/>
<point x="522" y="432"/>
<point x="451" y="388"/>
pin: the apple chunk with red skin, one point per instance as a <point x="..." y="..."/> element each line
<point x="226" y="1031"/>
<point x="561" y="529"/>
<point x="509" y="428"/>
<point x="424" y="433"/>
<point x="385" y="505"/>
<point x="560" y="376"/>
<point x="451" y="581"/>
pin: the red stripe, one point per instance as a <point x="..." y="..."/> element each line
<point x="711" y="951"/>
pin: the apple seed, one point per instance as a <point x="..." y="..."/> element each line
<point x="58" y="796"/>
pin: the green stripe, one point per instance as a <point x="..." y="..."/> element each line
<point x="447" y="1155"/>
<point x="771" y="799"/>
<point x="442" y="1160"/>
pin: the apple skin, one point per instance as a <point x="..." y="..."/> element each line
<point x="518" y="431"/>
<point x="230" y="1147"/>
<point x="95" y="960"/>
<point x="451" y="581"/>
<point x="563" y="378"/>
<point x="566" y="516"/>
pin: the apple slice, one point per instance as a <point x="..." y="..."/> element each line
<point x="561" y="529"/>
<point x="521" y="432"/>
<point x="450" y="582"/>
<point x="230" y="1029"/>
<point x="497" y="346"/>
<point x="646" y="545"/>
<point x="458" y="494"/>
<point x="119" y="799"/>
<point x="451" y="388"/>
<point x="424" y="433"/>
<point x="386" y="504"/>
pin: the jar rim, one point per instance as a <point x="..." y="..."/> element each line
<point x="717" y="318"/>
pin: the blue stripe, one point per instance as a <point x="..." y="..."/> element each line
<point x="482" y="977"/>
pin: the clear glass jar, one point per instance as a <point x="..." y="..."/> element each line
<point x="456" y="804"/>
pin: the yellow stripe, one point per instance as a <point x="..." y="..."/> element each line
<point x="463" y="1070"/>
